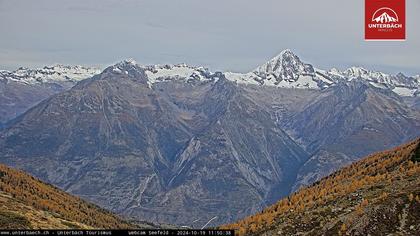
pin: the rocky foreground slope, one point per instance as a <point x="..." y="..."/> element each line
<point x="379" y="195"/>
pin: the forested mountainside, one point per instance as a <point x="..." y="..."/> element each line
<point x="28" y="203"/>
<point x="378" y="195"/>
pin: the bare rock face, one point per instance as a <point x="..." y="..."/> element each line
<point x="285" y="66"/>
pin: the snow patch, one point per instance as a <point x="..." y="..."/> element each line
<point x="405" y="92"/>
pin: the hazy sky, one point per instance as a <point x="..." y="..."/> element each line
<point x="234" y="35"/>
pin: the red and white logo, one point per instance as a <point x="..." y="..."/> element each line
<point x="385" y="19"/>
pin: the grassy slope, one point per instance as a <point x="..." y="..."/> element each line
<point x="378" y="195"/>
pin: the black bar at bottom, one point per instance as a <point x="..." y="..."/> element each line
<point x="158" y="232"/>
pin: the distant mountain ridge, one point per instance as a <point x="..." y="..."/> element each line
<point x="288" y="71"/>
<point x="57" y="73"/>
<point x="284" y="70"/>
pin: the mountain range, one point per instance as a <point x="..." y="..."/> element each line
<point x="181" y="144"/>
<point x="24" y="87"/>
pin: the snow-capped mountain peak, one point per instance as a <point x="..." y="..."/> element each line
<point x="285" y="66"/>
<point x="284" y="70"/>
<point x="127" y="68"/>
<point x="130" y="61"/>
<point x="360" y="72"/>
<point x="355" y="71"/>
<point x="123" y="65"/>
<point x="56" y="73"/>
<point x="183" y="72"/>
